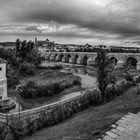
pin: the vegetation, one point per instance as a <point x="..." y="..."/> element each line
<point x="60" y="113"/>
<point x="129" y="77"/>
<point x="27" y="68"/>
<point x="95" y="121"/>
<point x="23" y="60"/>
<point x="27" y="52"/>
<point x="103" y="77"/>
<point x="32" y="90"/>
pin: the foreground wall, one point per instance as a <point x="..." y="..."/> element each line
<point x="34" y="119"/>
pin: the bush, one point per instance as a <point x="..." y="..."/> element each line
<point x="12" y="76"/>
<point x="30" y="126"/>
<point x="13" y="80"/>
<point x="108" y="94"/>
<point x="129" y="77"/>
<point x="113" y="91"/>
<point x="32" y="90"/>
<point x="34" y="57"/>
<point x="30" y="84"/>
<point x="3" y="130"/>
<point x="27" y="68"/>
<point x="16" y="127"/>
<point x="93" y="97"/>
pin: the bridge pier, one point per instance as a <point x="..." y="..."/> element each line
<point x="47" y="57"/>
<point x="138" y="65"/>
<point x="58" y="58"/>
<point x="65" y="59"/>
<point x="80" y="60"/>
<point x="90" y="61"/>
<point x="72" y="60"/>
<point x="52" y="57"/>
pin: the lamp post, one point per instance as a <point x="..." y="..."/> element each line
<point x="18" y="97"/>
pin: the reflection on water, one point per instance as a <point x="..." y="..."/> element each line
<point x="87" y="82"/>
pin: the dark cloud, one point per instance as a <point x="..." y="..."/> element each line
<point x="33" y="28"/>
<point x="135" y="42"/>
<point x="106" y="19"/>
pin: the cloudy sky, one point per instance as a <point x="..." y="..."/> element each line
<point x="115" y="22"/>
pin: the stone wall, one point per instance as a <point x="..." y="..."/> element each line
<point x="33" y="113"/>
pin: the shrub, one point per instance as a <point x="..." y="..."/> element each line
<point x="32" y="90"/>
<point x="27" y="68"/>
<point x="3" y="130"/>
<point x="30" y="126"/>
<point x="12" y="81"/>
<point x="129" y="77"/>
<point x="16" y="127"/>
<point x="12" y="76"/>
<point x="93" y="97"/>
<point x="108" y="94"/>
<point x="30" y="84"/>
<point x="34" y="57"/>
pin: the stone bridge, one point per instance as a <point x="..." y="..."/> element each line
<point x="90" y="58"/>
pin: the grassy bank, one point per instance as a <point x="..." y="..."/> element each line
<point x="32" y="90"/>
<point x="93" y="122"/>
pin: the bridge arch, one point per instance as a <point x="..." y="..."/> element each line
<point x="113" y="60"/>
<point x="73" y="59"/>
<point x="68" y="58"/>
<point x="131" y="62"/>
<point x="85" y="59"/>
<point x="52" y="56"/>
<point x="47" y="57"/>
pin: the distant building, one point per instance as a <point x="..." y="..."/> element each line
<point x="7" y="45"/>
<point x="44" y="45"/>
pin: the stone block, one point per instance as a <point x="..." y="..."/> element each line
<point x="120" y="128"/>
<point x="107" y="138"/>
<point x="111" y="134"/>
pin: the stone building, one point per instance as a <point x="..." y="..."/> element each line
<point x="3" y="79"/>
<point x="6" y="103"/>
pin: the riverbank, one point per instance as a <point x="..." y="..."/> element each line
<point x="26" y="104"/>
<point x="93" y="122"/>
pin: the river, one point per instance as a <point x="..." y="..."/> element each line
<point x="88" y="81"/>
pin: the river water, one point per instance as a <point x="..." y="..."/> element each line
<point x="88" y="81"/>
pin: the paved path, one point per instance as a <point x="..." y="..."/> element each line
<point x="127" y="128"/>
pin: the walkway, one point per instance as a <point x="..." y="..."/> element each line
<point x="127" y="128"/>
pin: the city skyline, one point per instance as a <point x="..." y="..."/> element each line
<point x="112" y="22"/>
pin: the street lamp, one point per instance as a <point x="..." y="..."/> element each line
<point x="18" y="89"/>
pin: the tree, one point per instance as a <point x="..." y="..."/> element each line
<point x="23" y="48"/>
<point x="18" y="44"/>
<point x="103" y="78"/>
<point x="27" y="52"/>
<point x="34" y="57"/>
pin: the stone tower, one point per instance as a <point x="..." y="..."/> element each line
<point x="3" y="79"/>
